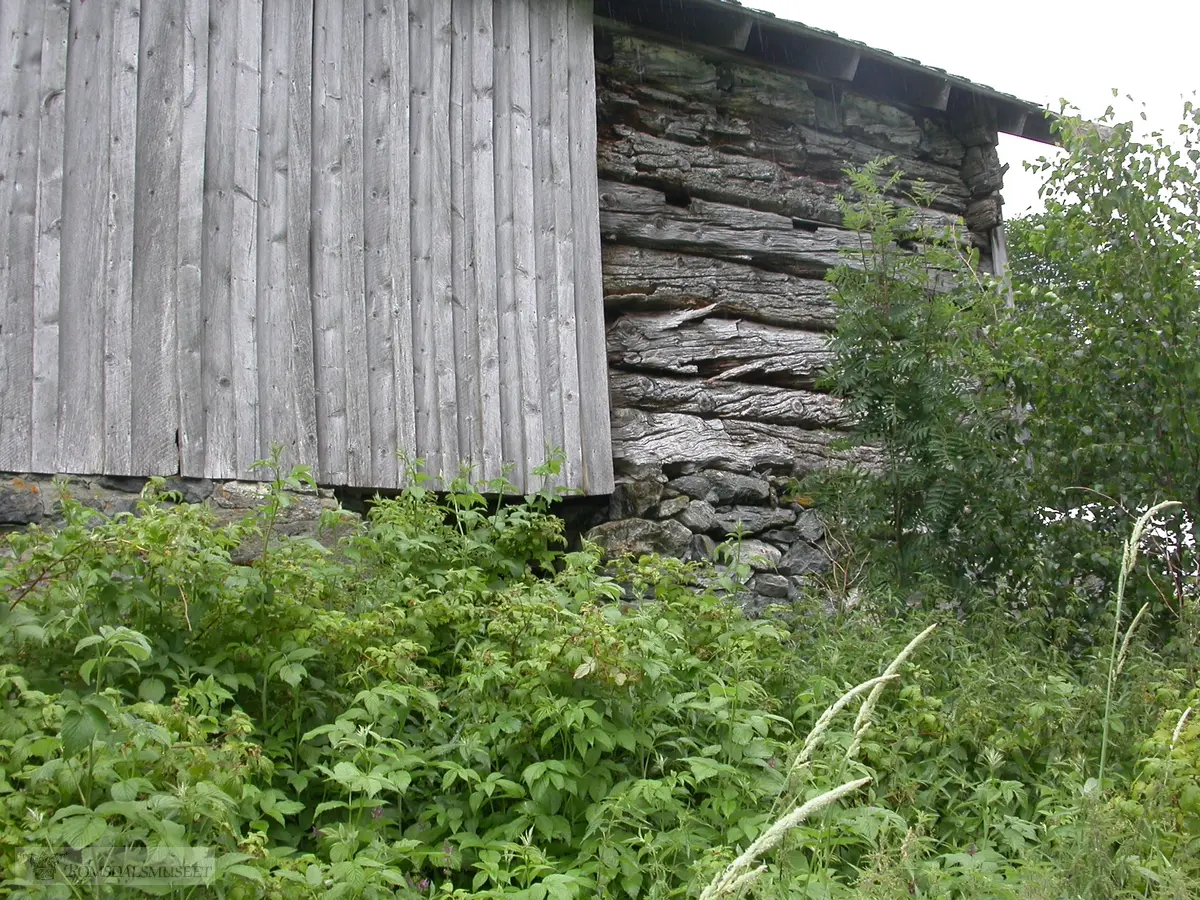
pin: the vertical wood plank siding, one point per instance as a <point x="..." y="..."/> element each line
<point x="355" y="228"/>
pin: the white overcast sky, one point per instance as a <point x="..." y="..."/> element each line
<point x="1040" y="50"/>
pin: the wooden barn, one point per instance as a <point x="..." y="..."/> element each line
<point x="464" y="230"/>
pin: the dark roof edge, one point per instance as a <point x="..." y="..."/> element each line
<point x="867" y="70"/>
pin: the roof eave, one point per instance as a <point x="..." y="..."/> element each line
<point x="824" y="54"/>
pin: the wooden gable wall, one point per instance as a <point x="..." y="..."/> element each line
<point x="353" y="228"/>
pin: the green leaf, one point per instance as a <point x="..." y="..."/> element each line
<point x="292" y="673"/>
<point x="82" y="831"/>
<point x="90" y="640"/>
<point x="152" y="690"/>
<point x="80" y="728"/>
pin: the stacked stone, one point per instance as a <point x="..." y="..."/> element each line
<point x="688" y="515"/>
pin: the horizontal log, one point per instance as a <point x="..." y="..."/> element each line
<point x="985" y="213"/>
<point x="642" y="216"/>
<point x="982" y="172"/>
<point x="726" y="400"/>
<point x="635" y="157"/>
<point x="679" y="440"/>
<point x="690" y="343"/>
<point x="641" y="280"/>
<point x="703" y="95"/>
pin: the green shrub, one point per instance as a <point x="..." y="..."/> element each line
<point x="450" y="703"/>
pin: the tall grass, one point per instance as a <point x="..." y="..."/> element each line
<point x="733" y="881"/>
<point x="1116" y="659"/>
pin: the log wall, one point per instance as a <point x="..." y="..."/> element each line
<point x="720" y="178"/>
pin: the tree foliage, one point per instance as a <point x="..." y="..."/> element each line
<point x="915" y="364"/>
<point x="1105" y="343"/>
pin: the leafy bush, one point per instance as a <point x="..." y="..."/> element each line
<point x="451" y="704"/>
<point x="914" y="360"/>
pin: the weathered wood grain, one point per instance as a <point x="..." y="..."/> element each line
<point x="189" y="310"/>
<point x="155" y="249"/>
<point x="268" y="212"/>
<point x="641" y="280"/>
<point x="421" y="174"/>
<point x="703" y="95"/>
<point x="690" y="343"/>
<point x="244" y="329"/>
<point x="642" y="216"/>
<point x="524" y="236"/>
<point x="329" y="279"/>
<point x="87" y="143"/>
<point x="283" y="311"/>
<point x="466" y="336"/>
<point x="47" y="265"/>
<point x="301" y="416"/>
<point x="685" y="169"/>
<point x="685" y="441"/>
<point x="400" y="239"/>
<point x="443" y="450"/>
<point x="567" y="386"/>
<point x="219" y="422"/>
<point x="589" y="291"/>
<point x="482" y="224"/>
<point x="725" y="400"/>
<point x="385" y="232"/>
<point x="353" y="299"/>
<point x="511" y="409"/>
<point x="118" y="270"/>
<point x="20" y="54"/>
<point x="546" y="309"/>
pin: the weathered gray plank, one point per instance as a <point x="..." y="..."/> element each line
<point x="511" y="408"/>
<point x="466" y="336"/>
<point x="385" y="234"/>
<point x="430" y="119"/>
<point x="641" y="280"/>
<point x="358" y="413"/>
<point x="441" y="29"/>
<point x="244" y="326"/>
<point x="637" y="157"/>
<point x="524" y="241"/>
<point x="642" y="216"/>
<point x="47" y="263"/>
<point x="726" y="400"/>
<point x="219" y="441"/>
<point x="154" y="401"/>
<point x="400" y="241"/>
<point x="689" y="343"/>
<point x="118" y="300"/>
<point x="301" y="373"/>
<point x="329" y="281"/>
<point x="189" y="308"/>
<point x="85" y="213"/>
<point x="642" y="438"/>
<point x="282" y="290"/>
<point x="483" y="237"/>
<point x="547" y="327"/>
<point x="589" y="293"/>
<point x="20" y="53"/>
<point x="566" y="351"/>
<point x="703" y="95"/>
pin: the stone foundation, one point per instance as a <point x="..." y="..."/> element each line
<point x="687" y="516"/>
